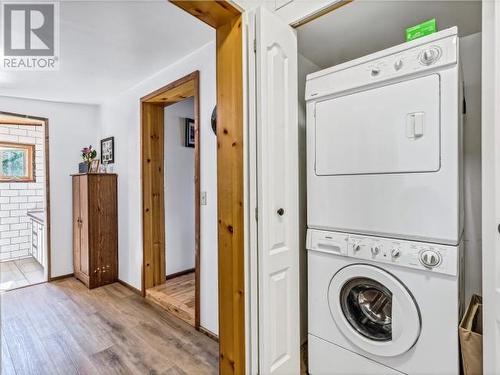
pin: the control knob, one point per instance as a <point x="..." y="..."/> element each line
<point x="356" y="247"/>
<point x="395" y="253"/>
<point x="430" y="258"/>
<point x="375" y="250"/>
<point x="375" y="71"/>
<point x="430" y="56"/>
<point x="398" y="64"/>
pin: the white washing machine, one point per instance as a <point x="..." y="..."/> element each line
<point x="384" y="143"/>
<point x="382" y="306"/>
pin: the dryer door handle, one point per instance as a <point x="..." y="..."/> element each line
<point x="415" y="125"/>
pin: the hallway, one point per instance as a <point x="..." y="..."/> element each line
<point x="111" y="330"/>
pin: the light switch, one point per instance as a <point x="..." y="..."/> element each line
<point x="203" y="198"/>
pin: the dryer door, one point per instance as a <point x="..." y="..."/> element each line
<point x="374" y="310"/>
<point x="388" y="129"/>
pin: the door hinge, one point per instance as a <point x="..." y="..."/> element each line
<point x="256" y="214"/>
<point x="255" y="45"/>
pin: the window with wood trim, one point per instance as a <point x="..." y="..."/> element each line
<point x="16" y="162"/>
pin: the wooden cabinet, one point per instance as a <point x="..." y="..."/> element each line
<point x="95" y="229"/>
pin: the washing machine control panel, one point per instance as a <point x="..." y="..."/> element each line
<point x="412" y="254"/>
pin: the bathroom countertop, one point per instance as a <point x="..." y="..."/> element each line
<point x="38" y="215"/>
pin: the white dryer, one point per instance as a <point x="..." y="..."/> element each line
<point x="382" y="306"/>
<point x="384" y="143"/>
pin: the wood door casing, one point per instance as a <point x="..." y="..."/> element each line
<point x="153" y="195"/>
<point x="152" y="153"/>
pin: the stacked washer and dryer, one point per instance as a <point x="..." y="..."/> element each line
<point x="385" y="212"/>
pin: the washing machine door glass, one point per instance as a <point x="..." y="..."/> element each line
<point x="374" y="310"/>
<point x="367" y="305"/>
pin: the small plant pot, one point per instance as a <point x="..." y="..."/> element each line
<point x="83" y="167"/>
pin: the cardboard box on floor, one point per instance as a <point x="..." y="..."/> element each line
<point x="471" y="337"/>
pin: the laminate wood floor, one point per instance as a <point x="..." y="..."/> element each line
<point x="64" y="328"/>
<point x="176" y="296"/>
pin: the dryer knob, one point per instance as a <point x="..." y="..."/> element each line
<point x="430" y="56"/>
<point x="398" y="64"/>
<point x="356" y="247"/>
<point x="430" y="258"/>
<point x="375" y="250"/>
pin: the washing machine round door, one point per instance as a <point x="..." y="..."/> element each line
<point x="374" y="310"/>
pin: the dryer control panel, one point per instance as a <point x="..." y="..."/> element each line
<point x="419" y="255"/>
<point x="420" y="56"/>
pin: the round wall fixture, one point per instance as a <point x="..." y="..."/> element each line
<point x="214" y="120"/>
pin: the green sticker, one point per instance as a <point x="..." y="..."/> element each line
<point x="420" y="30"/>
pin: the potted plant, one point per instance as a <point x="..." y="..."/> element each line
<point x="88" y="154"/>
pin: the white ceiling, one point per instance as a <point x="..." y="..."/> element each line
<point x="107" y="47"/>
<point x="363" y="27"/>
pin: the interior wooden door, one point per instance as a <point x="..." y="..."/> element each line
<point x="278" y="199"/>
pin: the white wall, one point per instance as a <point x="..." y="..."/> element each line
<point x="17" y="198"/>
<point x="470" y="54"/>
<point x="179" y="190"/>
<point x="71" y="126"/>
<point x="305" y="67"/>
<point x="121" y="119"/>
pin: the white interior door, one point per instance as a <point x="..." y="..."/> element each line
<point x="277" y="181"/>
<point x="491" y="185"/>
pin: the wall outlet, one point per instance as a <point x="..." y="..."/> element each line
<point x="203" y="198"/>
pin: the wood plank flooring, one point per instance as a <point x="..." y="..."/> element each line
<point x="176" y="296"/>
<point x="64" y="328"/>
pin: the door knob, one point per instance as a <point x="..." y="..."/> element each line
<point x="281" y="212"/>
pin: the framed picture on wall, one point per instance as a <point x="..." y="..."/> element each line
<point x="108" y="150"/>
<point x="189" y="133"/>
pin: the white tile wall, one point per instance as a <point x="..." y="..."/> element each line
<point x="18" y="198"/>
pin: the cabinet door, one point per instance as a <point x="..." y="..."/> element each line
<point x="84" y="225"/>
<point x="76" y="225"/>
<point x="103" y="227"/>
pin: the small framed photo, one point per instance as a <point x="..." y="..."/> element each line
<point x="108" y="150"/>
<point x="189" y="133"/>
<point x="94" y="166"/>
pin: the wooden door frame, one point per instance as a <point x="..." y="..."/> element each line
<point x="28" y="120"/>
<point x="228" y="23"/>
<point x="153" y="174"/>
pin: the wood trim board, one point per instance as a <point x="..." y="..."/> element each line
<point x="152" y="162"/>
<point x="130" y="287"/>
<point x="180" y="273"/>
<point x="215" y="13"/>
<point x="227" y="20"/>
<point x="230" y="197"/>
